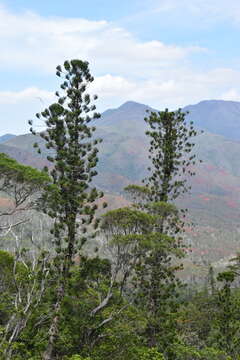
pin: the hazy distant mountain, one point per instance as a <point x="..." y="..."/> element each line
<point x="24" y="142"/>
<point x="217" y="116"/>
<point x="6" y="137"/>
<point x="128" y="119"/>
<point x="214" y="116"/>
<point x="124" y="151"/>
<point x="24" y="157"/>
<point x="123" y="158"/>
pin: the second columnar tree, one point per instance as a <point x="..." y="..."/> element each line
<point x="170" y="154"/>
<point x="70" y="200"/>
<point x="172" y="163"/>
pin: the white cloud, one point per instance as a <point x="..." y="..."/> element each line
<point x="168" y="89"/>
<point x="31" y="41"/>
<point x="17" y="107"/>
<point x="26" y="95"/>
<point x="151" y="72"/>
<point x="206" y="11"/>
<point x="231" y="95"/>
<point x="172" y="90"/>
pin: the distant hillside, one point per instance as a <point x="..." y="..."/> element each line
<point x="217" y="116"/>
<point x="214" y="116"/>
<point x="123" y="158"/>
<point x="127" y="119"/>
<point x="24" y="157"/>
<point x="24" y="142"/>
<point x="6" y="137"/>
<point x="124" y="151"/>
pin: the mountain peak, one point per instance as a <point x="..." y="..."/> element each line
<point x="132" y="104"/>
<point x="129" y="107"/>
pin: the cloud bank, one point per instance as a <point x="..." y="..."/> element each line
<point x="125" y="68"/>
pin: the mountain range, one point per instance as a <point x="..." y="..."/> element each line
<point x="214" y="202"/>
<point x="6" y="137"/>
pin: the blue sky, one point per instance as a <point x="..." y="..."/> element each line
<point x="165" y="53"/>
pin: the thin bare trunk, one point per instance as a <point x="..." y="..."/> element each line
<point x="54" y="328"/>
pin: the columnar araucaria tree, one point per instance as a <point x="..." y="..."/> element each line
<point x="172" y="162"/>
<point x="69" y="199"/>
<point x="170" y="153"/>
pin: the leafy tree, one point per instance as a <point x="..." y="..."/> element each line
<point x="184" y="352"/>
<point x="20" y="285"/>
<point x="23" y="285"/>
<point x="196" y="318"/>
<point x="139" y="195"/>
<point x="6" y="285"/>
<point x="133" y="239"/>
<point x="227" y="320"/>
<point x="22" y="185"/>
<point x="126" y="233"/>
<point x="77" y="357"/>
<point x="150" y="354"/>
<point x="69" y="200"/>
<point x="125" y="230"/>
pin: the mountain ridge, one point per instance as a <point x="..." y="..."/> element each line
<point x="6" y="137"/>
<point x="215" y="199"/>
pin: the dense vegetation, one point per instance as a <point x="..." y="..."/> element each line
<point x="126" y="300"/>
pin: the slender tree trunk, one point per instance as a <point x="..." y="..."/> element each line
<point x="54" y="328"/>
<point x="15" y="333"/>
<point x="61" y="290"/>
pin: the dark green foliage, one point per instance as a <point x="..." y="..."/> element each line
<point x="201" y="327"/>
<point x="156" y="282"/>
<point x="170" y="153"/>
<point x="69" y="200"/>
<point x="74" y="158"/>
<point x="227" y="322"/>
<point x="6" y="285"/>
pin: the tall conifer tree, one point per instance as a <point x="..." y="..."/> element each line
<point x="69" y="200"/>
<point x="172" y="163"/>
<point x="170" y="153"/>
